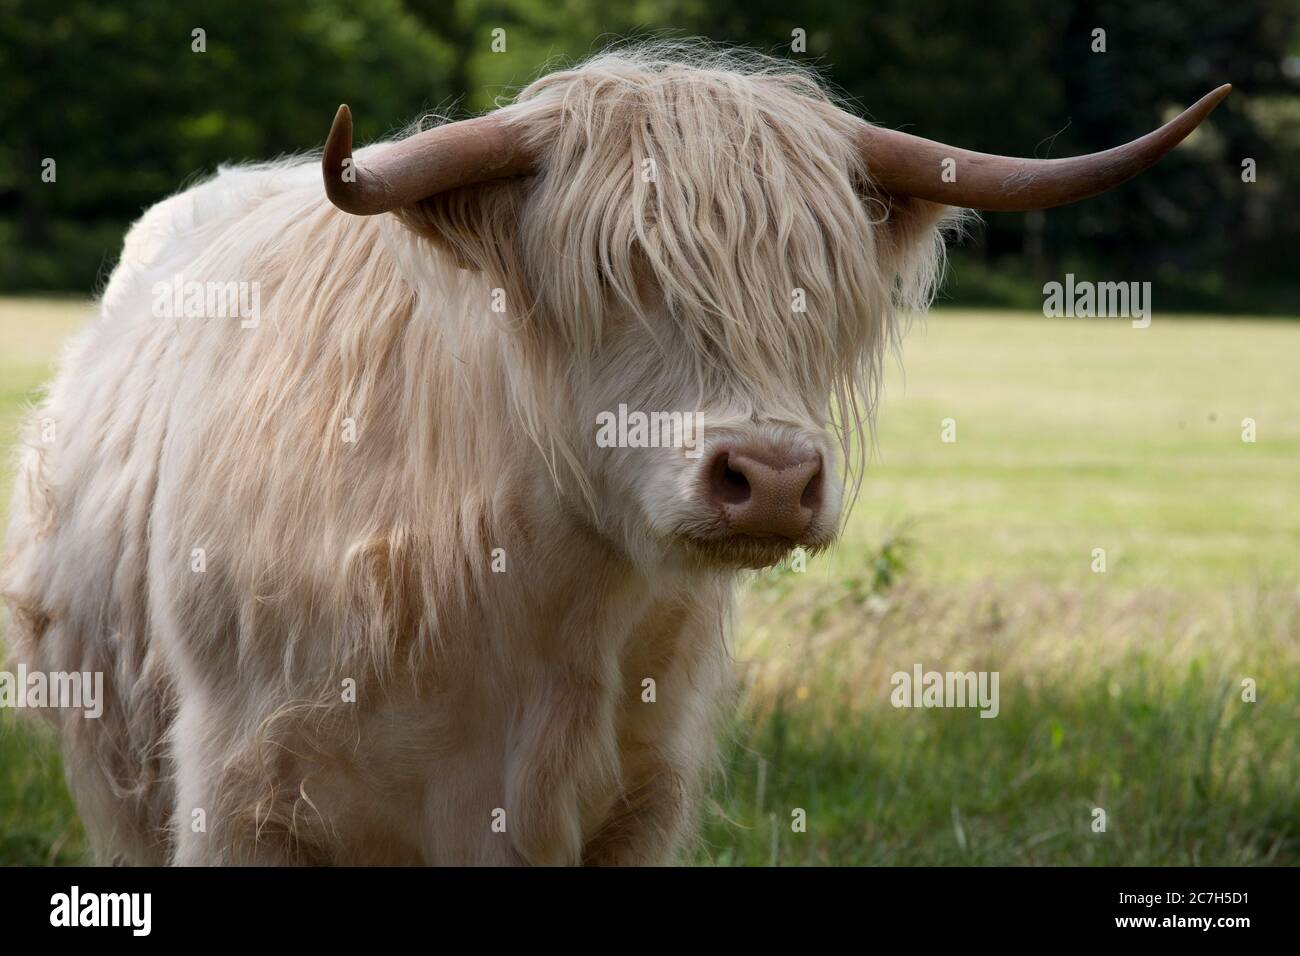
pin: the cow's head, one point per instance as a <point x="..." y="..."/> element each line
<point x="675" y="242"/>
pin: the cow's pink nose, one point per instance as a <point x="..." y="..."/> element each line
<point x="766" y="492"/>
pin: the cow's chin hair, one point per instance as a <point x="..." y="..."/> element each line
<point x="742" y="551"/>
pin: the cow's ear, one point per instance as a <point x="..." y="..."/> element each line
<point x="911" y="244"/>
<point x="477" y="227"/>
<point x="911" y="225"/>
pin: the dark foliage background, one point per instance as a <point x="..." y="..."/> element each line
<point x="116" y="96"/>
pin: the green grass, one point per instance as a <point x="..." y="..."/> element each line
<point x="1131" y="703"/>
<point x="945" y="789"/>
<point x="38" y="823"/>
<point x="1119" y="691"/>
<point x="1081" y="434"/>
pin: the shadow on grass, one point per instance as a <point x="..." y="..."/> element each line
<point x="1185" y="771"/>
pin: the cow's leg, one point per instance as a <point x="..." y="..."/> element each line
<point x="563" y="754"/>
<point x="230" y="808"/>
<point x="198" y="827"/>
<point x="207" y="819"/>
<point x="666" y="744"/>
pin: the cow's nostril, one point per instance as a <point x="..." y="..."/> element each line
<point x="766" y="492"/>
<point x="730" y="487"/>
<point x="812" y="492"/>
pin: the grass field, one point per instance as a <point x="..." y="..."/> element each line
<point x="1119" y="691"/>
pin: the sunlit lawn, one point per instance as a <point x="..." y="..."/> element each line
<point x="1077" y="434"/>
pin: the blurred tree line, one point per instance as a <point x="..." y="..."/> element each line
<point x="135" y="98"/>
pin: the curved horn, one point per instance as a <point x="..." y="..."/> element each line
<point x="456" y="154"/>
<point x="909" y="165"/>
